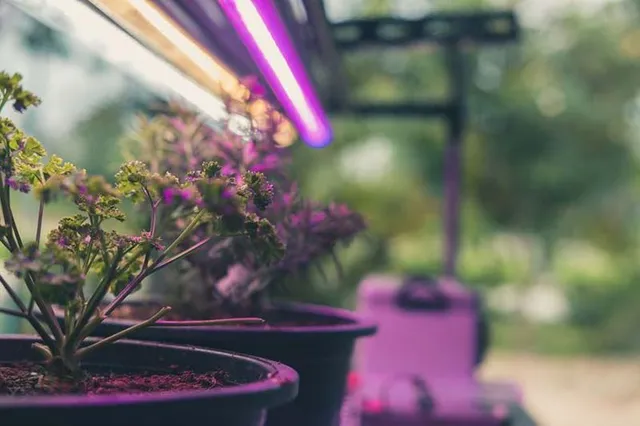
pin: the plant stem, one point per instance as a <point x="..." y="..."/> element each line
<point x="15" y="231"/>
<point x="152" y="228"/>
<point x="103" y="244"/>
<point x="44" y="351"/>
<point x="13" y="313"/>
<point x="5" y="244"/>
<point x="29" y="281"/>
<point x="45" y="309"/>
<point x="122" y="334"/>
<point x="89" y="258"/>
<point x="40" y="211"/>
<point x="5" y="99"/>
<point x="88" y="329"/>
<point x="13" y="295"/>
<point x="126" y="291"/>
<point x="13" y="223"/>
<point x="179" y="256"/>
<point x="131" y="261"/>
<point x="38" y="236"/>
<point x="94" y="301"/>
<point x="27" y="315"/>
<point x="6" y="213"/>
<point x="226" y="321"/>
<point x="145" y="272"/>
<point x="184" y="234"/>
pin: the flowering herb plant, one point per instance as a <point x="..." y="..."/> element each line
<point x="228" y="278"/>
<point x="56" y="269"/>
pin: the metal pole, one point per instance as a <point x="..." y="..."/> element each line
<point x="452" y="157"/>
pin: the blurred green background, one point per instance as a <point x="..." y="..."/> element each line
<point x="550" y="223"/>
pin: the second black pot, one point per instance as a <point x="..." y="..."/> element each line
<point x="321" y="354"/>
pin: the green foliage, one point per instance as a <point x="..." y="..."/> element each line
<point x="286" y="236"/>
<point x="550" y="156"/>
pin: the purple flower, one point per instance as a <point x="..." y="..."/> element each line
<point x="317" y="217"/>
<point x="228" y="170"/>
<point x="62" y="242"/>
<point x="18" y="186"/>
<point x="227" y="194"/>
<point x="13" y="183"/>
<point x="167" y="195"/>
<point x="19" y="106"/>
<point x="82" y="189"/>
<point x="187" y="194"/>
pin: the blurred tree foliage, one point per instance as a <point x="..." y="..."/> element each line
<point x="550" y="158"/>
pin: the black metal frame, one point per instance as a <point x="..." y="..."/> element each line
<point x="452" y="32"/>
<point x="444" y="28"/>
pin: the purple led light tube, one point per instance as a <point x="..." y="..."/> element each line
<point x="262" y="31"/>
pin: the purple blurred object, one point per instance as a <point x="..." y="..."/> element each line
<point x="420" y="367"/>
<point x="258" y="24"/>
<point x="437" y="342"/>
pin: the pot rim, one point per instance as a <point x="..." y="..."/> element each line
<point x="279" y="379"/>
<point x="354" y="325"/>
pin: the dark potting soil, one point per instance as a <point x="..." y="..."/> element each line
<point x="273" y="318"/>
<point x="26" y="379"/>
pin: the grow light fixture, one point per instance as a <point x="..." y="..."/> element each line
<point x="152" y="27"/>
<point x="261" y="29"/>
<point x="81" y="22"/>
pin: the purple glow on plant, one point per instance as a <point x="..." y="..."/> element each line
<point x="262" y="31"/>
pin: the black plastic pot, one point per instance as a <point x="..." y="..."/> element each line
<point x="262" y="384"/>
<point x="320" y="354"/>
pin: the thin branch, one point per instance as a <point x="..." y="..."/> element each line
<point x="180" y="255"/>
<point x="122" y="334"/>
<point x="5" y="244"/>
<point x="14" y="225"/>
<point x="226" y="321"/>
<point x="158" y="263"/>
<point x="184" y="234"/>
<point x="45" y="308"/>
<point x="13" y="313"/>
<point x="90" y="255"/>
<point x="6" y="213"/>
<point x="39" y="222"/>
<point x="14" y="296"/>
<point x="32" y="302"/>
<point x="44" y="351"/>
<point x="25" y="313"/>
<point x="152" y="228"/>
<point x="95" y="299"/>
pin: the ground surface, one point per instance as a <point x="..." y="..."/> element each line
<point x="572" y="391"/>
